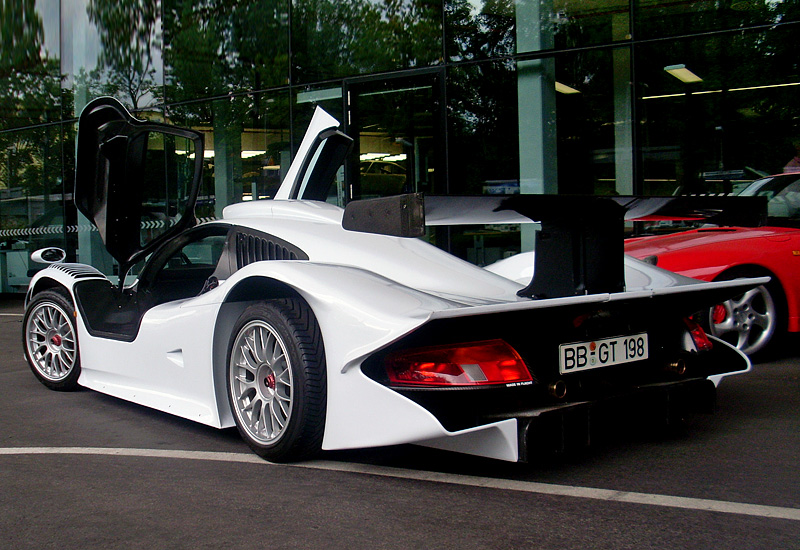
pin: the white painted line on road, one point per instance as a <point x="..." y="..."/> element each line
<point x="148" y="453"/>
<point x="11" y="314"/>
<point x="567" y="490"/>
<point x="668" y="501"/>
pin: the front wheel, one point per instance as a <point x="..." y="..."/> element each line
<point x="276" y="379"/>
<point x="748" y="321"/>
<point x="50" y="340"/>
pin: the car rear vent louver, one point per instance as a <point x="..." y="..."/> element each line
<point x="254" y="248"/>
<point x="79" y="271"/>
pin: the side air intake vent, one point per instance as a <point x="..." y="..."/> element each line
<point x="257" y="248"/>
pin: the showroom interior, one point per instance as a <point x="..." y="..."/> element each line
<point x="456" y="97"/>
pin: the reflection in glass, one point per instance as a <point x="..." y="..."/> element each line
<point x="483" y="29"/>
<point x="167" y="182"/>
<point x="483" y="154"/>
<point x="112" y="48"/>
<point x="659" y="18"/>
<point x="29" y="64"/>
<point x="247" y="143"/>
<point x="479" y="30"/>
<point x="483" y="129"/>
<point x="219" y="47"/>
<point x="35" y="209"/>
<point x="731" y="125"/>
<point x="395" y="127"/>
<point x="129" y="64"/>
<point x="335" y="39"/>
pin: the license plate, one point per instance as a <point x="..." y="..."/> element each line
<point x="602" y="353"/>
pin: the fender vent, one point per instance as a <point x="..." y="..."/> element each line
<point x="256" y="248"/>
<point x="78" y="271"/>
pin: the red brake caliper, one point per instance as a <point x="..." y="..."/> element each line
<point x="719" y="314"/>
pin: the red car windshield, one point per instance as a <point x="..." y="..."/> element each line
<point x="783" y="194"/>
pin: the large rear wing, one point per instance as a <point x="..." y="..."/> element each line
<point x="580" y="247"/>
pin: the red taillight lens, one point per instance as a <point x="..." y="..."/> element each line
<point x="699" y="337"/>
<point x="471" y="364"/>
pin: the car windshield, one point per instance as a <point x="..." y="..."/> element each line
<point x="783" y="195"/>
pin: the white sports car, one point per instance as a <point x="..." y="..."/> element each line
<point x="311" y="327"/>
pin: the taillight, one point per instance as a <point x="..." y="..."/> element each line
<point x="699" y="336"/>
<point x="470" y="364"/>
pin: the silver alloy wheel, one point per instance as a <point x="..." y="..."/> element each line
<point x="747" y="321"/>
<point x="50" y="338"/>
<point x="261" y="382"/>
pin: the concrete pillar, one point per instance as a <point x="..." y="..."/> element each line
<point x="623" y="101"/>
<point x="536" y="100"/>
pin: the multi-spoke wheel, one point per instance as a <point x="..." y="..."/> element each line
<point x="748" y="321"/>
<point x="50" y="340"/>
<point x="276" y="379"/>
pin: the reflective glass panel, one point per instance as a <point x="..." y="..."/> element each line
<point x="483" y="141"/>
<point x="224" y="46"/>
<point x="479" y="29"/>
<point x="169" y="167"/>
<point x="396" y="124"/>
<point x="247" y="147"/>
<point x="112" y="48"/>
<point x="717" y="112"/>
<point x="30" y="82"/>
<point x="483" y="135"/>
<point x="658" y="18"/>
<point x="334" y="39"/>
<point x="36" y="208"/>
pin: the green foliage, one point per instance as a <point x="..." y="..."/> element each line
<point x="129" y="36"/>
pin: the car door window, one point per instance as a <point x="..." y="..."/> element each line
<point x="181" y="271"/>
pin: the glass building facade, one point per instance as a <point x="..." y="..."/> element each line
<point x="440" y="96"/>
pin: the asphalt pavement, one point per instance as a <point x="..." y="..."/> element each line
<point x="84" y="470"/>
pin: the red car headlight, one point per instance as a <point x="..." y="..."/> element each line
<point x="470" y="364"/>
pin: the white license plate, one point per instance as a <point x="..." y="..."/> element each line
<point x="602" y="353"/>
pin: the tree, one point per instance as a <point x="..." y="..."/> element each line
<point x="130" y="39"/>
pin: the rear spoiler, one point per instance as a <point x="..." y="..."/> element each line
<point x="580" y="247"/>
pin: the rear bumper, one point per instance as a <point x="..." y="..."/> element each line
<point x="574" y="426"/>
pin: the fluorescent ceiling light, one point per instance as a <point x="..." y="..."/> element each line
<point x="662" y="96"/>
<point x="372" y="156"/>
<point x="682" y="73"/>
<point x="731" y="90"/>
<point x="564" y="89"/>
<point x="766" y="86"/>
<point x="207" y="154"/>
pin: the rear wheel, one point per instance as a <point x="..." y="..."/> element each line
<point x="276" y="379"/>
<point x="749" y="321"/>
<point x="50" y="340"/>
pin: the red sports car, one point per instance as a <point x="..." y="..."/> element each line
<point x="752" y="320"/>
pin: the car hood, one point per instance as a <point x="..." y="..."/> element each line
<point x="708" y="236"/>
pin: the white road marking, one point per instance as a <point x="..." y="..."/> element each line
<point x="668" y="501"/>
<point x="11" y="314"/>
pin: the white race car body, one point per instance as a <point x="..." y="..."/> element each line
<point x="166" y="343"/>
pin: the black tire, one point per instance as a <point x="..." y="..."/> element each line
<point x="276" y="379"/>
<point x="751" y="321"/>
<point x="50" y="340"/>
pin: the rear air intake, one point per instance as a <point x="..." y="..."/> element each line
<point x="258" y="248"/>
